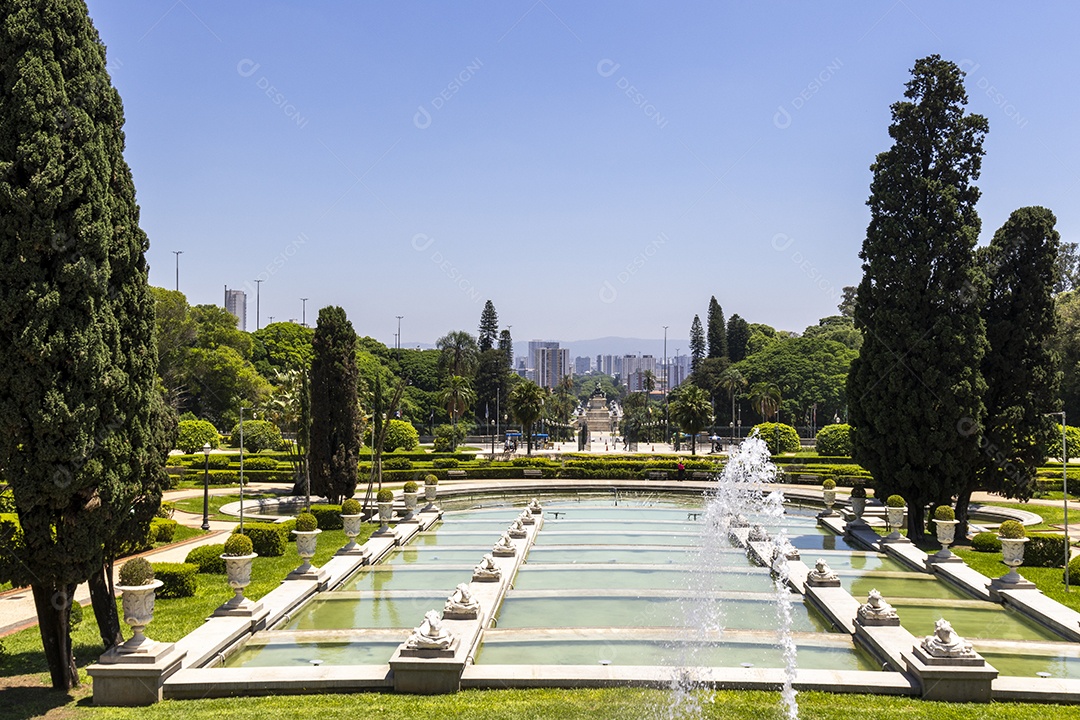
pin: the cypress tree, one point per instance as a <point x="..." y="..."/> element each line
<point x="1019" y="367"/>
<point x="83" y="429"/>
<point x="506" y="346"/>
<point x="489" y="327"/>
<point x="335" y="412"/>
<point x="738" y="335"/>
<point x="717" y="333"/>
<point x="915" y="391"/>
<point x="697" y="343"/>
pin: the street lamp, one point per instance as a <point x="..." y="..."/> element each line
<point x="206" y="487"/>
<point x="1064" y="493"/>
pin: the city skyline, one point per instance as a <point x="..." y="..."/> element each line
<point x="593" y="170"/>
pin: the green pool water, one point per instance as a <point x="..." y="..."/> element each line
<point x="686" y="528"/>
<point x="300" y="654"/>
<point x="988" y="621"/>
<point x="626" y="612"/>
<point x="413" y="555"/>
<point x="1059" y="666"/>
<point x="586" y="577"/>
<point x="843" y="560"/>
<point x="334" y="612"/>
<point x="447" y="538"/>
<point x="379" y="579"/>
<point x="631" y="652"/>
<point x="614" y="555"/>
<point x="914" y="585"/>
<point x="615" y="537"/>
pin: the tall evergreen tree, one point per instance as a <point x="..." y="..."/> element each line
<point x="506" y="346"/>
<point x="83" y="429"/>
<point x="1020" y="368"/>
<point x="458" y="353"/>
<point x="717" y="332"/>
<point x="915" y="391"/>
<point x="492" y="384"/>
<point x="738" y="335"/>
<point x="335" y="412"/>
<point x="697" y="343"/>
<point x="489" y="327"/>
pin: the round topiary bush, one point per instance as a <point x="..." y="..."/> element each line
<point x="258" y="435"/>
<point x="858" y="491"/>
<point x="1011" y="530"/>
<point x="306" y="522"/>
<point x="430" y="479"/>
<point x="351" y="507"/>
<point x="191" y="435"/>
<point x="1074" y="570"/>
<point x="895" y="501"/>
<point x="385" y="496"/>
<point x="779" y="437"/>
<point x="828" y="484"/>
<point x="1045" y="551"/>
<point x="944" y="512"/>
<point x="986" y="542"/>
<point x="237" y="546"/>
<point x="136" y="571"/>
<point x="834" y="440"/>
<point x="208" y="559"/>
<point x="410" y="487"/>
<point x="397" y="463"/>
<point x="400" y="434"/>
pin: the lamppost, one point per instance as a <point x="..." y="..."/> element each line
<point x="492" y="424"/>
<point x="177" y="253"/>
<point x="242" y="468"/>
<point x="206" y="487"/>
<point x="258" y="287"/>
<point x="667" y="430"/>
<point x="1064" y="492"/>
<point x="303" y="312"/>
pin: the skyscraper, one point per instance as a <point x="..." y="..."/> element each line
<point x="236" y="304"/>
<point x="549" y="362"/>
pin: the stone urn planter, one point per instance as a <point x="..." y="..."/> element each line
<point x="1012" y="554"/>
<point x="350" y="520"/>
<point x="410" y="493"/>
<point x="946" y="533"/>
<point x="431" y="491"/>
<point x="307" y="535"/>
<point x="138" y="604"/>
<point x="895" y="508"/>
<point x="828" y="497"/>
<point x="858" y="504"/>
<point x="385" y="502"/>
<point x="238" y="573"/>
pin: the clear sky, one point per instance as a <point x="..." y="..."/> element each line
<point x="593" y="168"/>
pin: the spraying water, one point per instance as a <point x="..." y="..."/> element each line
<point x="738" y="506"/>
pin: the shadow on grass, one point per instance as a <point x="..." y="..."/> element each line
<point x="25" y="702"/>
<point x="28" y="662"/>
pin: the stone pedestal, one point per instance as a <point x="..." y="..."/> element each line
<point x="951" y="679"/>
<point x="127" y="679"/>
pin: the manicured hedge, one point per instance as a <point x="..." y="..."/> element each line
<point x="179" y="579"/>
<point x="1045" y="551"/>
<point x="267" y="539"/>
<point x="207" y="558"/>
<point x="162" y="530"/>
<point x="329" y="516"/>
<point x="986" y="542"/>
<point x="834" y="440"/>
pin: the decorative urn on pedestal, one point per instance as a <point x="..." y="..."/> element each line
<point x="945" y="523"/>
<point x="431" y="491"/>
<point x="385" y="500"/>
<point x="828" y="496"/>
<point x="237" y="555"/>
<point x="409" y="492"/>
<point x="858" y="504"/>
<point x="307" y="535"/>
<point x="351" y="516"/>
<point x="895" y="509"/>
<point x="138" y="586"/>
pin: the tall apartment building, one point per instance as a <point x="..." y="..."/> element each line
<point x="582" y="365"/>
<point x="549" y="362"/>
<point x="634" y="369"/>
<point x="678" y="370"/>
<point x="236" y="304"/>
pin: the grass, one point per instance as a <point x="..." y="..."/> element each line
<point x="571" y="704"/>
<point x="195" y="505"/>
<point x="181" y="533"/>
<point x="1049" y="580"/>
<point x="1049" y="513"/>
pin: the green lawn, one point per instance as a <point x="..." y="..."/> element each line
<point x="1049" y="514"/>
<point x="617" y="704"/>
<point x="1050" y="580"/>
<point x="195" y="505"/>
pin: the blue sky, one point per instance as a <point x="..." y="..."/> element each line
<point x="592" y="168"/>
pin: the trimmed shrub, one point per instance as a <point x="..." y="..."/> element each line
<point x="75" y="618"/>
<point x="267" y="539"/>
<point x="779" y="437"/>
<point x="207" y="558"/>
<point x="410" y="487"/>
<point x="351" y="507"/>
<point x="238" y="546"/>
<point x="166" y="509"/>
<point x="258" y="435"/>
<point x="179" y="579"/>
<point x="1045" y="551"/>
<point x="215" y="461"/>
<point x="191" y="435"/>
<point x="858" y="491"/>
<point x="430" y="479"/>
<point x="384" y="496"/>
<point x="306" y="522"/>
<point x="944" y="512"/>
<point x="400" y="434"/>
<point x="1072" y="442"/>
<point x="136" y="571"/>
<point x="260" y="463"/>
<point x="1012" y="530"/>
<point x="834" y="440"/>
<point x="828" y="484"/>
<point x="895" y="501"/>
<point x="1074" y="570"/>
<point x="396" y="463"/>
<point x="328" y="517"/>
<point x="444" y="463"/>
<point x="986" y="542"/>
<point x="162" y="530"/>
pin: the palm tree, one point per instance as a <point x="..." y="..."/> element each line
<point x="732" y="380"/>
<point x="456" y="398"/>
<point x="648" y="381"/>
<point x="766" y="399"/>
<point x="691" y="411"/>
<point x="459" y="353"/>
<point x="527" y="405"/>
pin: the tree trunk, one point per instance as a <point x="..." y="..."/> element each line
<point x="916" y="522"/>
<point x="53" y="604"/>
<point x="103" y="599"/>
<point x="963" y="504"/>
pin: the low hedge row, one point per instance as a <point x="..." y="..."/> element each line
<point x="162" y="530"/>
<point x="329" y="516"/>
<point x="267" y="539"/>
<point x="207" y="558"/>
<point x="1045" y="551"/>
<point x="179" y="579"/>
